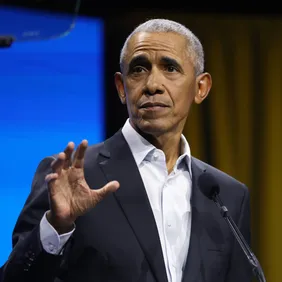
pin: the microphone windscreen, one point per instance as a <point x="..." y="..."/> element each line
<point x="208" y="185"/>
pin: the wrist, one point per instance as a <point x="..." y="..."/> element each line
<point x="60" y="225"/>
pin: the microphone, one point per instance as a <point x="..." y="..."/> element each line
<point x="210" y="188"/>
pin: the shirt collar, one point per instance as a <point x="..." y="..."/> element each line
<point x="140" y="147"/>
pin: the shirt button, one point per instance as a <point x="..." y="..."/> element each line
<point x="51" y="247"/>
<point x="169" y="225"/>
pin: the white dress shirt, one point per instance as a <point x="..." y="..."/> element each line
<point x="169" y="196"/>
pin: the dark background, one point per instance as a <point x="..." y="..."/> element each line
<point x="257" y="159"/>
<point x="119" y="21"/>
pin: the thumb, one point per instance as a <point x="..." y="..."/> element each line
<point x="103" y="192"/>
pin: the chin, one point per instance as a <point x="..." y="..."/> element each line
<point x="153" y="126"/>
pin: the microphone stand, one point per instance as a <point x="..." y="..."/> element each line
<point x="256" y="267"/>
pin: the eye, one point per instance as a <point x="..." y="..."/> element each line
<point x="171" y="68"/>
<point x="138" y="69"/>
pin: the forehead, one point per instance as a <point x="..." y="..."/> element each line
<point x="162" y="43"/>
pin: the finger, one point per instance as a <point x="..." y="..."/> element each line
<point x="78" y="160"/>
<point x="51" y="177"/>
<point x="68" y="152"/>
<point x="100" y="194"/>
<point x="57" y="164"/>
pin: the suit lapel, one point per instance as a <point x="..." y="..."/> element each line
<point x="193" y="271"/>
<point x="118" y="164"/>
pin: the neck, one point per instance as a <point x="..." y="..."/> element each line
<point x="170" y="144"/>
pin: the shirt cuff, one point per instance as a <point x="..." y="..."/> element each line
<point x="51" y="241"/>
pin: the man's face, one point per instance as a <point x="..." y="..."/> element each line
<point x="158" y="83"/>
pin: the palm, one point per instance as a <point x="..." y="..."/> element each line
<point x="71" y="196"/>
<point x="69" y="193"/>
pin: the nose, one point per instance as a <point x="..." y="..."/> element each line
<point x="154" y="83"/>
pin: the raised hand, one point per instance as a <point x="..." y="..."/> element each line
<point x="70" y="195"/>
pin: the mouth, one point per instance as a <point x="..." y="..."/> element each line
<point x="153" y="106"/>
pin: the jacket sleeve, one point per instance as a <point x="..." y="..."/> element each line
<point x="239" y="267"/>
<point x="28" y="261"/>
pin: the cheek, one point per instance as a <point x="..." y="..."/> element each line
<point x="182" y="103"/>
<point x="183" y="90"/>
<point x="133" y="94"/>
<point x="132" y="102"/>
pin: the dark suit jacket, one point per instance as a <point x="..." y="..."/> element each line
<point x="118" y="239"/>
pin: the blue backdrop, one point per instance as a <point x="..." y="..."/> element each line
<point x="51" y="92"/>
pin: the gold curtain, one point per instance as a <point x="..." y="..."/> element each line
<point x="238" y="127"/>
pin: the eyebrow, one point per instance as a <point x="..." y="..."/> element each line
<point x="170" y="61"/>
<point x="139" y="60"/>
<point x="144" y="61"/>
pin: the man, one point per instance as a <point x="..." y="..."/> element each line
<point x="129" y="208"/>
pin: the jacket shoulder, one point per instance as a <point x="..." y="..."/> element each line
<point x="225" y="180"/>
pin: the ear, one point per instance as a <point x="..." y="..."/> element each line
<point x="120" y="87"/>
<point x="204" y="84"/>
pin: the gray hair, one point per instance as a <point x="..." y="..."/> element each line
<point x="195" y="48"/>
